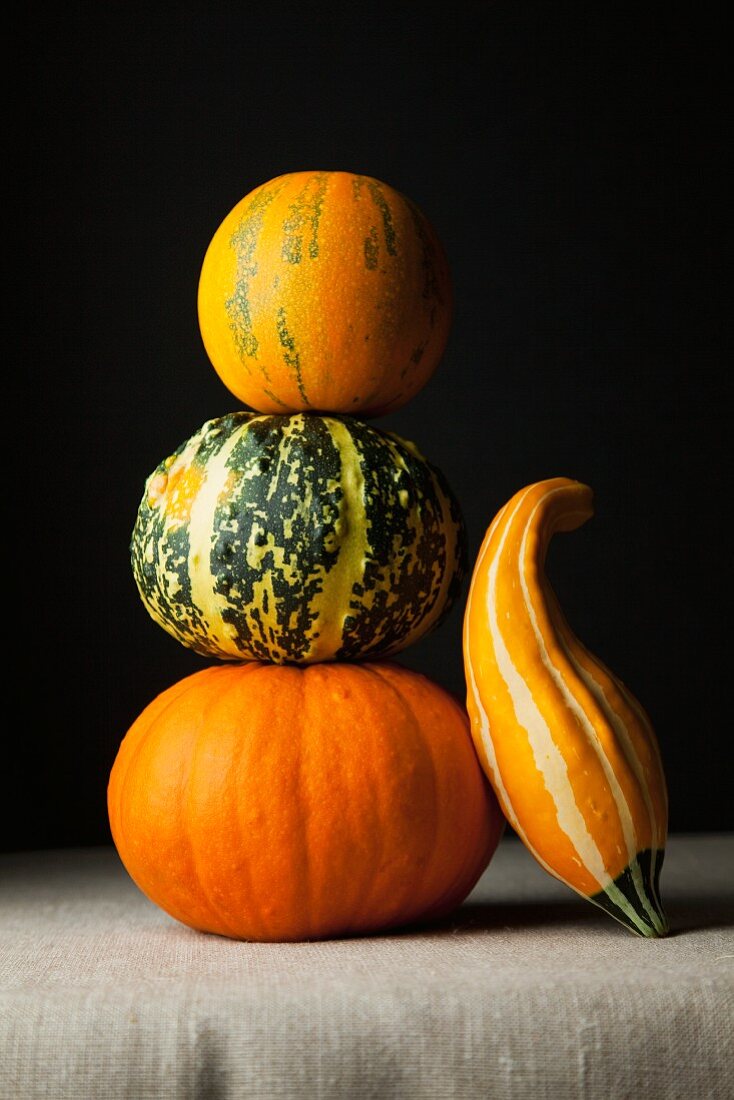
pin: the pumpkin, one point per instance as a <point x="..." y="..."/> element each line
<point x="570" y="752"/>
<point x="325" y="291"/>
<point x="276" y="803"/>
<point x="297" y="539"/>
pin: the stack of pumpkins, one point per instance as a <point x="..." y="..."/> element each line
<point x="306" y="785"/>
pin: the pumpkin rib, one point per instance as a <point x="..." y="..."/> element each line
<point x="210" y="915"/>
<point x="243" y="867"/>
<point x="200" y="860"/>
<point x="413" y="887"/>
<point x="370" y="893"/>
<point x="310" y="807"/>
<point x="220" y="703"/>
<point x="129" y="767"/>
<point x="366" y="888"/>
<point x="465" y="872"/>
<point x="289" y="831"/>
<point x="130" y="749"/>
<point x="231" y="728"/>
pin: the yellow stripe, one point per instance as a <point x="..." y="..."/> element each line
<point x="201" y="526"/>
<point x="331" y="604"/>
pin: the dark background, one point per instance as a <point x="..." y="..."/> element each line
<point x="570" y="158"/>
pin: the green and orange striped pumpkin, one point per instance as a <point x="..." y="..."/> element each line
<point x="570" y="753"/>
<point x="325" y="291"/>
<point x="296" y="539"/>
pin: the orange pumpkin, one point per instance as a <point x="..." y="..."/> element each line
<point x="325" y="292"/>
<point x="275" y="802"/>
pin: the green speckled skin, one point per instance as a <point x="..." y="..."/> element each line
<point x="296" y="539"/>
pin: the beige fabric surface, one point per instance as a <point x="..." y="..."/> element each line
<point x="527" y="992"/>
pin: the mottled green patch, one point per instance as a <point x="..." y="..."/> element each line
<point x="273" y="461"/>
<point x="301" y="227"/>
<point x="388" y="229"/>
<point x="244" y="243"/>
<point x="431" y="292"/>
<point x="159" y="552"/>
<point x="410" y="548"/>
<point x="358" y="183"/>
<point x="274" y="397"/>
<point x="371" y="250"/>
<point x="417" y="353"/>
<point x="291" y="357"/>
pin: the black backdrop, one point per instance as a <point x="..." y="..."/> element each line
<point x="569" y="157"/>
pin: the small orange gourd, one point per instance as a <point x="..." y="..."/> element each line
<point x="279" y="803"/>
<point x="325" y="291"/>
<point x="570" y="753"/>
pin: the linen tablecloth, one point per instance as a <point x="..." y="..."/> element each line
<point x="526" y="991"/>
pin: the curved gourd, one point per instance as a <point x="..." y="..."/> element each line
<point x="569" y="751"/>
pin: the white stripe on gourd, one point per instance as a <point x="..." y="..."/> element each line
<point x="349" y="567"/>
<point x="201" y="524"/>
<point x="484" y="734"/>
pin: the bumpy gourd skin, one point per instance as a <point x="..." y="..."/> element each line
<point x="297" y="539"/>
<point x="325" y="291"/>
<point x="570" y="752"/>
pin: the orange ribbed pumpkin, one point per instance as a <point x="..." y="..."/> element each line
<point x="274" y="803"/>
<point x="325" y="291"/>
